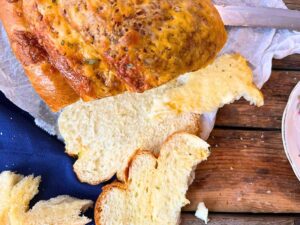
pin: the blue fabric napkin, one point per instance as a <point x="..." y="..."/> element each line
<point x="26" y="149"/>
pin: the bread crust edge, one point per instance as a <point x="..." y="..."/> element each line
<point x="45" y="79"/>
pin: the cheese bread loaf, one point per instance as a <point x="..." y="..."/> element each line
<point x="103" y="48"/>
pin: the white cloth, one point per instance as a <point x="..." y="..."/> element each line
<point x="258" y="45"/>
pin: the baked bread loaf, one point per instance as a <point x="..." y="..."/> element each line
<point x="228" y="79"/>
<point x="154" y="191"/>
<point x="17" y="191"/>
<point x="105" y="133"/>
<point x="46" y="79"/>
<point x="103" y="48"/>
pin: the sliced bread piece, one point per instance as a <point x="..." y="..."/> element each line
<point x="228" y="79"/>
<point x="16" y="193"/>
<point x="155" y="189"/>
<point x="7" y="181"/>
<point x="104" y="134"/>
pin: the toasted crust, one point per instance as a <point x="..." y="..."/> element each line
<point x="45" y="79"/>
<point x="105" y="190"/>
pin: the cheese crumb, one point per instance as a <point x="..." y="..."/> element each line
<point x="202" y="212"/>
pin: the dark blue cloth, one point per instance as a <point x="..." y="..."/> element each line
<point x="26" y="149"/>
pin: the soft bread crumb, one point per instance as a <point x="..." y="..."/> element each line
<point x="202" y="212"/>
<point x="227" y="79"/>
<point x="17" y="191"/>
<point x="105" y="133"/>
<point x="155" y="190"/>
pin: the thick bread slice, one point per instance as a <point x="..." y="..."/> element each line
<point x="7" y="181"/>
<point x="228" y="79"/>
<point x="155" y="189"/>
<point x="45" y="79"/>
<point x="104" y="134"/>
<point x="16" y="193"/>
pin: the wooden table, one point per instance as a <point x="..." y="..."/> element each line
<point x="248" y="171"/>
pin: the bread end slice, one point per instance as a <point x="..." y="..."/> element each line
<point x="154" y="191"/>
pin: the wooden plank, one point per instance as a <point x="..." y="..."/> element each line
<point x="246" y="172"/>
<point x="237" y="219"/>
<point x="291" y="62"/>
<point x="276" y="92"/>
<point x="292" y="4"/>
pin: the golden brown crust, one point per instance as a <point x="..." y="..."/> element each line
<point x="104" y="48"/>
<point x="45" y="79"/>
<point x="105" y="190"/>
<point x="76" y="60"/>
<point x="148" y="43"/>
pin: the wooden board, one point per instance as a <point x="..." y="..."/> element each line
<point x="231" y="219"/>
<point x="292" y="4"/>
<point x="291" y="62"/>
<point x="246" y="172"/>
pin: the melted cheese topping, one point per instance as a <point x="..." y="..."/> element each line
<point x="132" y="45"/>
<point x="83" y="57"/>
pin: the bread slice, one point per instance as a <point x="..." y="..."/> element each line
<point x="104" y="134"/>
<point x="228" y="79"/>
<point x="16" y="193"/>
<point x="154" y="191"/>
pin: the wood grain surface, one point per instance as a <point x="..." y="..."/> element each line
<point x="248" y="170"/>
<point x="241" y="219"/>
<point x="292" y="4"/>
<point x="291" y="62"/>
